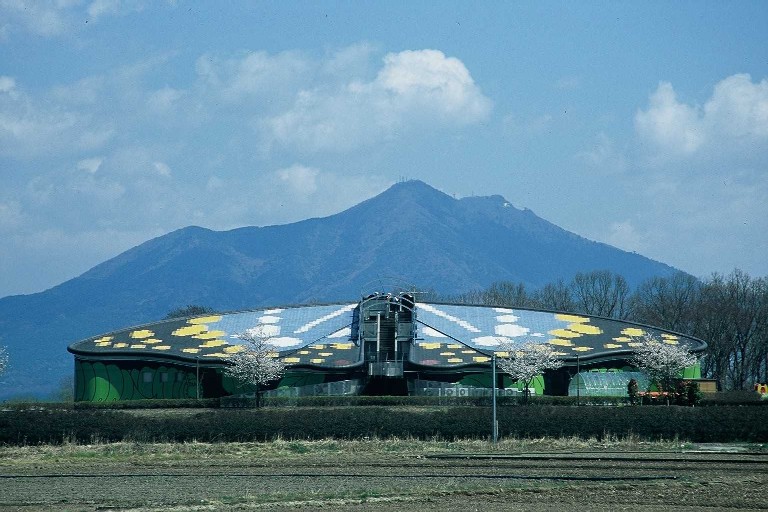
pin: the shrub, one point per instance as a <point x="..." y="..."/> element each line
<point x="700" y="424"/>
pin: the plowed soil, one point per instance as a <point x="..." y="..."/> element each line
<point x="139" y="478"/>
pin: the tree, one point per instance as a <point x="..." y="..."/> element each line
<point x="661" y="361"/>
<point x="525" y="361"/>
<point x="189" y="310"/>
<point x="601" y="293"/>
<point x="3" y="360"/>
<point x="668" y="302"/>
<point x="257" y="363"/>
<point x="555" y="296"/>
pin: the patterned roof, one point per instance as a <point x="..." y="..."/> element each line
<point x="480" y="329"/>
<point x="447" y="335"/>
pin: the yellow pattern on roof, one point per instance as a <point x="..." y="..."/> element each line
<point x="213" y="343"/>
<point x="161" y="347"/>
<point x="204" y="319"/>
<point x="209" y="335"/>
<point x="144" y="333"/>
<point x="633" y="331"/>
<point x="571" y="318"/>
<point x="189" y="330"/>
<point x="560" y="343"/>
<point x="564" y="333"/>
<point x="585" y="329"/>
<point x="581" y="349"/>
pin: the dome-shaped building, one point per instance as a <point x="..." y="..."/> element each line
<point x="384" y="344"/>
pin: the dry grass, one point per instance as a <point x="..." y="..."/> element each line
<point x="287" y="448"/>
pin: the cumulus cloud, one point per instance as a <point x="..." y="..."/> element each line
<point x="734" y="117"/>
<point x="252" y="75"/>
<point x="412" y="88"/>
<point x="31" y="127"/>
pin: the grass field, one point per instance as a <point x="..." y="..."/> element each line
<point x="386" y="475"/>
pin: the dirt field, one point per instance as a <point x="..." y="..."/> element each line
<point x="384" y="476"/>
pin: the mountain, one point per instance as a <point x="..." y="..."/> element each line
<point x="411" y="233"/>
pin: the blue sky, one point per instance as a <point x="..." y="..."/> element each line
<point x="643" y="125"/>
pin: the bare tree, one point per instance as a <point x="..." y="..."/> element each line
<point x="601" y="293"/>
<point x="668" y="302"/>
<point x="661" y="361"/>
<point x="257" y="363"/>
<point x="525" y="361"/>
<point x="555" y="296"/>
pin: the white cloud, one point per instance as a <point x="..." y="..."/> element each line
<point x="55" y="18"/>
<point x="671" y="126"/>
<point x="99" y="8"/>
<point x="162" y="168"/>
<point x="604" y="156"/>
<point x="164" y="99"/>
<point x="31" y="127"/>
<point x="734" y="118"/>
<point x="7" y="84"/>
<point x="11" y="215"/>
<point x="253" y="75"/>
<point x="300" y="179"/>
<point x="625" y="236"/>
<point x="90" y="165"/>
<point x="413" y="88"/>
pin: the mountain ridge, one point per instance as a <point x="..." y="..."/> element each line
<point x="411" y="231"/>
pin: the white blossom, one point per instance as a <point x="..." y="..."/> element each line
<point x="527" y="360"/>
<point x="257" y="363"/>
<point x="3" y="360"/>
<point x="662" y="362"/>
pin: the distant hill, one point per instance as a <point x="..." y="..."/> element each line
<point x="411" y="231"/>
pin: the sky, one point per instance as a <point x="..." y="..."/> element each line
<point x="643" y="125"/>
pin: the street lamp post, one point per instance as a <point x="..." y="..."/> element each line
<point x="495" y="426"/>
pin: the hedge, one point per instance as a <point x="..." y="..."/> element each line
<point x="698" y="424"/>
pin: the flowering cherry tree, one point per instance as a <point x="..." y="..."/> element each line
<point x="524" y="361"/>
<point x="662" y="362"/>
<point x="257" y="363"/>
<point x="3" y="360"/>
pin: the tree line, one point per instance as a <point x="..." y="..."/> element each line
<point x="729" y="312"/>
